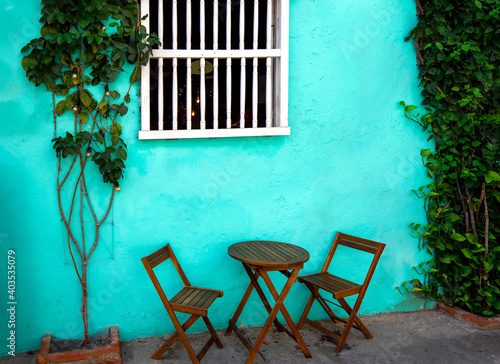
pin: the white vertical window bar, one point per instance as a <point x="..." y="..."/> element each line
<point x="243" y="64"/>
<point x="216" y="66"/>
<point x="228" y="65"/>
<point x="255" y="63"/>
<point x="282" y="72"/>
<point x="269" y="64"/>
<point x="203" y="95"/>
<point x="145" y="79"/>
<point x="175" y="86"/>
<point x="160" y="67"/>
<point x="188" y="66"/>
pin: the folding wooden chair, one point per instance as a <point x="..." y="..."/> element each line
<point x="340" y="289"/>
<point x="190" y="300"/>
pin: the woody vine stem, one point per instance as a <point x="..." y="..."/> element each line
<point x="83" y="48"/>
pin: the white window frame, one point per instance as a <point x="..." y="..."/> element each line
<point x="276" y="123"/>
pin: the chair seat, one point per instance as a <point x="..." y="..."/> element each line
<point x="194" y="298"/>
<point x="337" y="286"/>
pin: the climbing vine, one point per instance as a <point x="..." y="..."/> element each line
<point x="80" y="56"/>
<point x="458" y="56"/>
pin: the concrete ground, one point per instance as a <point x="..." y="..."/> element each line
<point x="429" y="336"/>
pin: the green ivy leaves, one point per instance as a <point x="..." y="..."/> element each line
<point x="459" y="52"/>
<point x="81" y="51"/>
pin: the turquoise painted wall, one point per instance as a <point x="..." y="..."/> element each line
<point x="350" y="165"/>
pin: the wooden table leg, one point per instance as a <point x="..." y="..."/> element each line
<point x="277" y="307"/>
<point x="284" y="311"/>
<point x="254" y="279"/>
<point x="242" y="304"/>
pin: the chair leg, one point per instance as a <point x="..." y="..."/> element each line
<point x="306" y="312"/>
<point x="358" y="321"/>
<point x="349" y="323"/>
<point x="321" y="301"/>
<point x="213" y="333"/>
<point x="189" y="348"/>
<point x="178" y="334"/>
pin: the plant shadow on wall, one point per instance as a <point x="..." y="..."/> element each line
<point x="83" y="48"/>
<point x="458" y="55"/>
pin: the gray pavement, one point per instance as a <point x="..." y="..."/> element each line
<point x="428" y="336"/>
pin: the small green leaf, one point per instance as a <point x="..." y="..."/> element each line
<point x="122" y="153"/>
<point x="109" y="166"/>
<point x="458" y="237"/>
<point x="60" y="108"/>
<point x="136" y="74"/>
<point x="467" y="252"/>
<point x="115" y="129"/>
<point x="465" y="270"/>
<point x="439" y="46"/>
<point x="86" y="98"/>
<point x="492" y="176"/>
<point x="84" y="117"/>
<point x="98" y="137"/>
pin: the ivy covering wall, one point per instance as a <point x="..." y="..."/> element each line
<point x="458" y="55"/>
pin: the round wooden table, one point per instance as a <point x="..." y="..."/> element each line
<point x="258" y="258"/>
<point x="271" y="255"/>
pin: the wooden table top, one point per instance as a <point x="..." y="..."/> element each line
<point x="271" y="254"/>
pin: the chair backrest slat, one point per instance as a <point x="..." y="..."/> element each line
<point x="360" y="243"/>
<point x="158" y="256"/>
<point x="358" y="246"/>
<point x="354" y="242"/>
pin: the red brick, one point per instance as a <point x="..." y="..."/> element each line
<point x="109" y="354"/>
<point x="114" y="334"/>
<point x="478" y="320"/>
<point x="451" y="310"/>
<point x="43" y="354"/>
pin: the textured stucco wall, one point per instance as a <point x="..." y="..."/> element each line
<point x="350" y="165"/>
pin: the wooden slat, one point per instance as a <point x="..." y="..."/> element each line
<point x="188" y="297"/>
<point x="288" y="251"/>
<point x="360" y="240"/>
<point x="337" y="286"/>
<point x="274" y="253"/>
<point x="321" y="284"/>
<point x="210" y="299"/>
<point x="358" y="246"/>
<point x="153" y="256"/>
<point x="181" y="295"/>
<point x="202" y="297"/>
<point x="284" y="252"/>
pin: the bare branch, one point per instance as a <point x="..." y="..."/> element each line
<point x="471" y="213"/>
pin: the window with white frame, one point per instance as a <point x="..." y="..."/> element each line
<point x="221" y="70"/>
